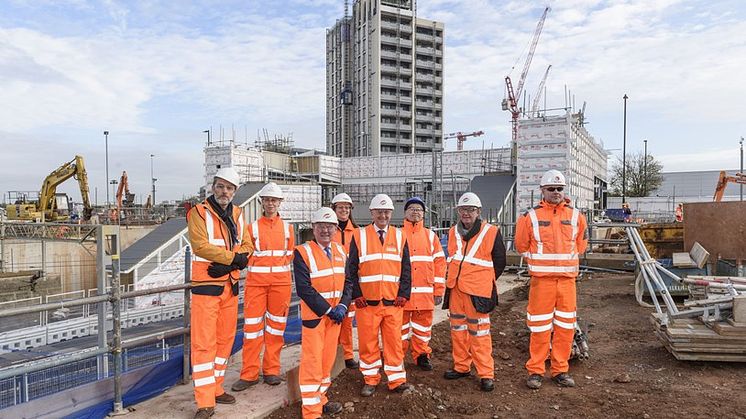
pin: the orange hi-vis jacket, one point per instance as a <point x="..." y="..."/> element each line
<point x="210" y="241"/>
<point x="428" y="266"/>
<point x="273" y="241"/>
<point x="344" y="237"/>
<point x="470" y="264"/>
<point x="551" y="237"/>
<point x="379" y="264"/>
<point x="327" y="278"/>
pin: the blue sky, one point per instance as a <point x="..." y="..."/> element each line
<point x="158" y="73"/>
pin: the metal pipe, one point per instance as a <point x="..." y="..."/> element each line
<point x="154" y="337"/>
<point x="703" y="283"/>
<point x="53" y="306"/>
<point x="187" y="315"/>
<point x="116" y="315"/>
<point x="156" y="290"/>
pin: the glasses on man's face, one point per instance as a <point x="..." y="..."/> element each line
<point x="324" y="226"/>
<point x="410" y="209"/>
<point x="467" y="210"/>
<point x="555" y="188"/>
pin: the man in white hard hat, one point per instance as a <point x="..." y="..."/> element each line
<point x="550" y="237"/>
<point x="266" y="292"/>
<point x="319" y="271"/>
<point x="342" y="206"/>
<point x="221" y="246"/>
<point x="476" y="259"/>
<point x="380" y="272"/>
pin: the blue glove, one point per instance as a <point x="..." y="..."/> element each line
<point x="337" y="314"/>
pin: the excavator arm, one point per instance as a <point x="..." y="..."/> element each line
<point x="74" y="168"/>
<point x="723" y="183"/>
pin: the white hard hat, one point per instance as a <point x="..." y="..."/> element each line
<point x="381" y="201"/>
<point x="324" y="215"/>
<point x="271" y="190"/>
<point x="341" y="197"/>
<point x="553" y="177"/>
<point x="469" y="199"/>
<point x="229" y="175"/>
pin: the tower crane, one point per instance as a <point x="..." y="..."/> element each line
<point x="461" y="137"/>
<point x="511" y="102"/>
<point x="537" y="98"/>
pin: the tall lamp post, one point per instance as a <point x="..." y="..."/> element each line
<point x="106" y="137"/>
<point x="624" y="153"/>
<point x="741" y="167"/>
<point x="645" y="170"/>
<point x="152" y="178"/>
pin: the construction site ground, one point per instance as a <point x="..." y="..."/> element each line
<point x="629" y="374"/>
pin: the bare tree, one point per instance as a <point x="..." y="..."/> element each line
<point x="641" y="178"/>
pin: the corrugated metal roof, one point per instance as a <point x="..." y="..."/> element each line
<point x="693" y="184"/>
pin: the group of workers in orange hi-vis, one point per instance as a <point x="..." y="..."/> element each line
<point x="387" y="280"/>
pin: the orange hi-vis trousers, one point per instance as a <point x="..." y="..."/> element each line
<point x="417" y="327"/>
<point x="470" y="336"/>
<point x="213" y="323"/>
<point x="318" y="351"/>
<point x="265" y="317"/>
<point x="345" y="333"/>
<point x="551" y="306"/>
<point x="386" y="320"/>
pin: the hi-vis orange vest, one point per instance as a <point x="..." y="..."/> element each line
<point x="428" y="266"/>
<point x="344" y="237"/>
<point x="327" y="276"/>
<point x="470" y="264"/>
<point x="380" y="264"/>
<point x="273" y="242"/>
<point x="550" y="238"/>
<point x="217" y="235"/>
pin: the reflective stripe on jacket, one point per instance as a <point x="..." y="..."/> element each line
<point x="550" y="238"/>
<point x="327" y="278"/>
<point x="274" y="241"/>
<point x="428" y="266"/>
<point x="470" y="263"/>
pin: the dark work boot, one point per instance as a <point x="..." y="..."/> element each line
<point x="534" y="381"/>
<point x="204" y="413"/>
<point x="272" y="380"/>
<point x="486" y="384"/>
<point x="454" y="375"/>
<point x="424" y="363"/>
<point x="225" y="398"/>
<point x="352" y="364"/>
<point x="367" y="390"/>
<point x="242" y="385"/>
<point x="331" y="408"/>
<point x="563" y="379"/>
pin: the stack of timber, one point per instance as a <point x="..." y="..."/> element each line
<point x="690" y="339"/>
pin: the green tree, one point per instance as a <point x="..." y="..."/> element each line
<point x="641" y="178"/>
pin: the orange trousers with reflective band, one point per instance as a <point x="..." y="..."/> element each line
<point x="551" y="317"/>
<point x="386" y="321"/>
<point x="345" y="333"/>
<point x="265" y="311"/>
<point x="470" y="336"/>
<point x="416" y="328"/>
<point x="213" y="323"/>
<point x="318" y="352"/>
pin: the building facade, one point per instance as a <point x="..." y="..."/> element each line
<point x="560" y="142"/>
<point x="384" y="85"/>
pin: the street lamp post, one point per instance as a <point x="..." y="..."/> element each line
<point x="741" y="167"/>
<point x="645" y="170"/>
<point x="152" y="178"/>
<point x="106" y="136"/>
<point x="624" y="153"/>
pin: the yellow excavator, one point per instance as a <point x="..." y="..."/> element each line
<point x="45" y="209"/>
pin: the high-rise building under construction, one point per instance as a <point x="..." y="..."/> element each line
<point x="384" y="81"/>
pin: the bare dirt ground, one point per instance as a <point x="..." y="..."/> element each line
<point x="629" y="374"/>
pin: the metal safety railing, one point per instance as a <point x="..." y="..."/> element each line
<point x="17" y="382"/>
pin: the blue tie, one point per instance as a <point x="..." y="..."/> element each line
<point x="328" y="252"/>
